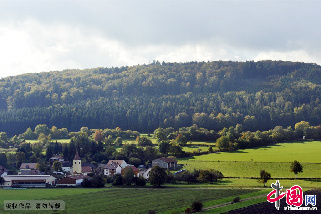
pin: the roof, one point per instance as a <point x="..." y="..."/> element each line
<point x="111" y="166"/>
<point x="167" y="160"/>
<point x="119" y="162"/>
<point x="66" y="164"/>
<point x="86" y="169"/>
<point x="57" y="157"/>
<point x="77" y="156"/>
<point x="28" y="166"/>
<point x="26" y="177"/>
<point x="30" y="172"/>
<point x="77" y="177"/>
<point x="67" y="180"/>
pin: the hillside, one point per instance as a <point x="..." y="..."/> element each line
<point x="258" y="95"/>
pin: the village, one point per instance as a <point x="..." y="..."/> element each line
<point x="73" y="174"/>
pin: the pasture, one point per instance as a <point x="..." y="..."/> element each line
<point x="276" y="159"/>
<point x="126" y="200"/>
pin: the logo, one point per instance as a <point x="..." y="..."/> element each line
<point x="294" y="198"/>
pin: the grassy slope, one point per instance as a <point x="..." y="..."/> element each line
<point x="275" y="159"/>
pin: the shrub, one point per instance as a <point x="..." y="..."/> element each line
<point x="140" y="181"/>
<point x="237" y="199"/>
<point x="118" y="180"/>
<point x="197" y="206"/>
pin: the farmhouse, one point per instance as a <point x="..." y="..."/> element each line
<point x="28" y="180"/>
<point x="121" y="163"/>
<point x="56" y="158"/>
<point x="166" y="163"/>
<point x="114" y="167"/>
<point x="86" y="169"/>
<point x="79" y="178"/>
<point x="3" y="171"/>
<point x="28" y="169"/>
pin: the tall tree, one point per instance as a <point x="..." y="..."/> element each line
<point x="157" y="176"/>
<point x="264" y="177"/>
<point x="296" y="168"/>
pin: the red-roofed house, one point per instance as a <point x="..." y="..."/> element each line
<point x="86" y="169"/>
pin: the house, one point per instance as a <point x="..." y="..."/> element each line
<point x="86" y="169"/>
<point x="28" y="169"/>
<point x="166" y="163"/>
<point x="28" y="180"/>
<point x="112" y="169"/>
<point x="136" y="171"/>
<point x="3" y="171"/>
<point x="66" y="166"/>
<point x="56" y="158"/>
<point x="145" y="173"/>
<point x="79" y="178"/>
<point x="121" y="163"/>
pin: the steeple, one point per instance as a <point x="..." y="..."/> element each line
<point x="76" y="166"/>
<point x="77" y="156"/>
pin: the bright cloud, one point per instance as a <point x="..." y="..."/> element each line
<point x="38" y="36"/>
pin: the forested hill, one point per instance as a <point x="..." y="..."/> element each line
<point x="258" y="95"/>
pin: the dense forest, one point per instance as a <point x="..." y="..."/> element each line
<point x="213" y="95"/>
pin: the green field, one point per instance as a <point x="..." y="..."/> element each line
<point x="126" y="200"/>
<point x="196" y="148"/>
<point x="275" y="159"/>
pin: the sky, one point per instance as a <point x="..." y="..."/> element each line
<point x="50" y="35"/>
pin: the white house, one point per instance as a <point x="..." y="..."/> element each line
<point x="112" y="169"/>
<point x="145" y="173"/>
<point x="66" y="166"/>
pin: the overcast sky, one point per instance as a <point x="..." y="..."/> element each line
<point x="48" y="35"/>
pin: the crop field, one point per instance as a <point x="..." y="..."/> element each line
<point x="275" y="159"/>
<point x="125" y="200"/>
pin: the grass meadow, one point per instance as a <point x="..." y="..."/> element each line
<point x="276" y="159"/>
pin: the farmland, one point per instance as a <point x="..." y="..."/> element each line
<point x="275" y="159"/>
<point x="124" y="200"/>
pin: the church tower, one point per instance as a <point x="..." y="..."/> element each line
<point x="76" y="166"/>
